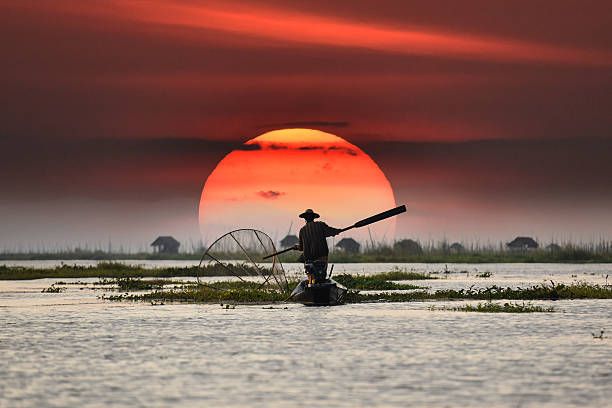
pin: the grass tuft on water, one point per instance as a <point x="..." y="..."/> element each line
<point x="206" y="294"/>
<point x="119" y="270"/>
<point x="53" y="289"/>
<point x="381" y="281"/>
<point x="129" y="284"/>
<point x="490" y="307"/>
<point x="251" y="292"/>
<point x="539" y="292"/>
<point x="400" y="275"/>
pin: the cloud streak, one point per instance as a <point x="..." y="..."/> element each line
<point x="287" y="26"/>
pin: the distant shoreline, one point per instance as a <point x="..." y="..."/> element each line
<point x="538" y="256"/>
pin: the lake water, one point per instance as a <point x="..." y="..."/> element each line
<point x="73" y="349"/>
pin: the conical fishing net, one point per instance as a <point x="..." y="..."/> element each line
<point x="240" y="253"/>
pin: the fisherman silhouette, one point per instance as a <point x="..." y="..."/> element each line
<point x="314" y="246"/>
<point x="319" y="289"/>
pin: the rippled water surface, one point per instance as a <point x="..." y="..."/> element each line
<point x="73" y="349"/>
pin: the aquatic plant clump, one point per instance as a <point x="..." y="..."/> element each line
<point x="372" y="282"/>
<point x="119" y="270"/>
<point x="206" y="294"/>
<point x="248" y="292"/>
<point x="222" y="291"/>
<point x="400" y="275"/>
<point x="540" y="292"/>
<point x="490" y="307"/>
<point x="254" y="291"/>
<point x="136" y="284"/>
<point x="53" y="289"/>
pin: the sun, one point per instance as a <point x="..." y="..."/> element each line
<point x="277" y="175"/>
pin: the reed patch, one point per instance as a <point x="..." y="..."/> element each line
<point x="492" y="307"/>
<point x="119" y="270"/>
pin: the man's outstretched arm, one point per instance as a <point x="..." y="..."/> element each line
<point x="331" y="231"/>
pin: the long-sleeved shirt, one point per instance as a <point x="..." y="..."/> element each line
<point x="312" y="240"/>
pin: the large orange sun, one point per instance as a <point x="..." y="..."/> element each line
<point x="277" y="175"/>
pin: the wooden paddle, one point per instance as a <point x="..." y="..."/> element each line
<point x="378" y="217"/>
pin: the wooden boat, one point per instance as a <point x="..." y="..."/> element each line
<point x="325" y="293"/>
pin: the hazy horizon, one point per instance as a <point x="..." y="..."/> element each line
<point x="463" y="202"/>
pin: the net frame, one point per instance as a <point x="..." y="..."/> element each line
<point x="243" y="250"/>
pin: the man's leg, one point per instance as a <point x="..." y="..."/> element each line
<point x="320" y="271"/>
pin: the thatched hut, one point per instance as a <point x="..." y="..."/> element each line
<point x="348" y="245"/>
<point x="522" y="243"/>
<point x="408" y="247"/>
<point x="166" y="245"/>
<point x="456" y="248"/>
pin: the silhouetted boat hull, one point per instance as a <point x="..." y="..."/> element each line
<point x="327" y="293"/>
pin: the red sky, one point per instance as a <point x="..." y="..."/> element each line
<point x="489" y="118"/>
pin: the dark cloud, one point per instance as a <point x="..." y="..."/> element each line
<point x="346" y="150"/>
<point x="274" y="146"/>
<point x="270" y="194"/>
<point x="307" y="124"/>
<point x="325" y="149"/>
<point x="249" y="147"/>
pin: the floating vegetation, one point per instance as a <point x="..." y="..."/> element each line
<point x="129" y="284"/>
<point x="213" y="292"/>
<point x="238" y="291"/>
<point x="374" y="282"/>
<point x="116" y="270"/>
<point x="400" y="274"/>
<point x="570" y="253"/>
<point x="75" y="283"/>
<point x="539" y="292"/>
<point x="251" y="292"/>
<point x="447" y="271"/>
<point x="354" y="296"/>
<point x="123" y="284"/>
<point x="53" y="289"/>
<point x="491" y="307"/>
<point x="205" y="294"/>
<point x="119" y="270"/>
